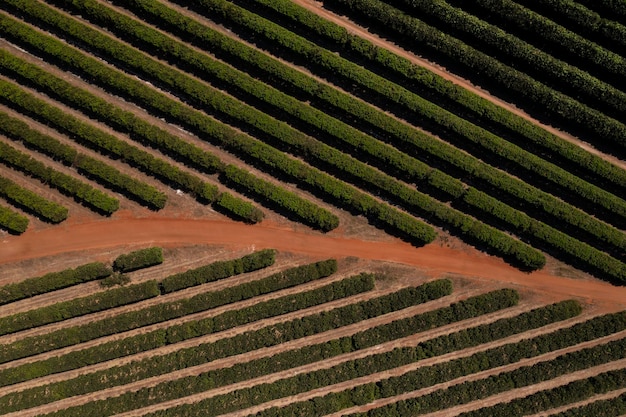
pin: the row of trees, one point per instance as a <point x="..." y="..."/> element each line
<point x="95" y="169"/>
<point x="515" y="52"/>
<point x="551" y="38"/>
<point x="134" y="319"/>
<point x="31" y="202"/>
<point x="489" y="146"/>
<point x="68" y="185"/>
<point x="142" y="258"/>
<point x="552" y="103"/>
<point x="78" y="307"/>
<point x="53" y="281"/>
<point x="347" y="370"/>
<point x="459" y="394"/>
<point x="152" y="340"/>
<point x="12" y="221"/>
<point x="612" y="407"/>
<point x="255" y="339"/>
<point x="587" y="22"/>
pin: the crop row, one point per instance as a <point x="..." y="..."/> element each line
<point x="267" y="336"/>
<point x="52" y="281"/>
<point x="68" y="185"/>
<point x="134" y="319"/>
<point x="311" y="178"/>
<point x="489" y="146"/>
<point x="514" y="52"/>
<point x="399" y="162"/>
<point x="142" y="258"/>
<point x="588" y="23"/>
<point x="91" y="167"/>
<point x="242" y="398"/>
<point x="294" y="329"/>
<point x="12" y="221"/>
<point x="611" y="407"/>
<point x="387" y="158"/>
<point x="155" y="339"/>
<point x="21" y="197"/>
<point x="614" y="9"/>
<point x="78" y="307"/>
<point x="604" y="129"/>
<point x="455" y="395"/>
<point x="551" y="37"/>
<point x="411" y="76"/>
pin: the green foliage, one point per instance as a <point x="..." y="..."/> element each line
<point x="53" y="281"/>
<point x="46" y="210"/>
<point x="86" y="165"/>
<point x="12" y="221"/>
<point x="239" y="208"/>
<point x="115" y="279"/>
<point x="80" y="191"/>
<point x="607" y="408"/>
<point x="224" y="321"/>
<point x="138" y="259"/>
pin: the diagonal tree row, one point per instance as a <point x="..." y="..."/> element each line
<point x="476" y="199"/>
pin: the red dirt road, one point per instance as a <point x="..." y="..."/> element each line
<point x="435" y="260"/>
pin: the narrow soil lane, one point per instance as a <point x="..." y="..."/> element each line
<point x="434" y="259"/>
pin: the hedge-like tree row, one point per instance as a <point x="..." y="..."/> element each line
<point x="550" y="37"/>
<point x="579" y="18"/>
<point x="457" y="394"/>
<point x="478" y="389"/>
<point x="374" y="150"/>
<point x="239" y="208"/>
<point x="267" y="336"/>
<point x="422" y="81"/>
<point x="247" y="397"/>
<point x="103" y="142"/>
<point x="515" y="52"/>
<point x="134" y="319"/>
<point x="91" y="167"/>
<point x="68" y="185"/>
<point x="52" y="281"/>
<point x="612" y="407"/>
<point x="142" y="258"/>
<point x="152" y="340"/>
<point x="504" y="154"/>
<point x="598" y="127"/>
<point x="386" y="158"/>
<point x="562" y="395"/>
<point x="12" y="221"/>
<point x="19" y="196"/>
<point x="78" y="307"/>
<point x="611" y="9"/>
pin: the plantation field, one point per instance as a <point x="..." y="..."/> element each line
<point x="299" y="207"/>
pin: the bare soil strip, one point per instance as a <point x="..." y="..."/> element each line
<point x="600" y="397"/>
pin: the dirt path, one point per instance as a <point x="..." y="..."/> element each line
<point x="606" y="396"/>
<point x="436" y="260"/>
<point x="318" y="8"/>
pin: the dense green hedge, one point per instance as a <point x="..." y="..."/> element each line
<point x="152" y="340"/>
<point x="103" y="142"/>
<point x="551" y="102"/>
<point x="247" y="397"/>
<point x="239" y="208"/>
<point x="78" y="307"/>
<point x="12" y="221"/>
<point x="46" y="210"/>
<point x="518" y="54"/>
<point x="611" y="9"/>
<point x="613" y="407"/>
<point x="498" y="152"/>
<point x="579" y="18"/>
<point x="565" y="394"/>
<point x="550" y="37"/>
<point x="150" y="315"/>
<point x="142" y="258"/>
<point x="255" y="339"/>
<point x="457" y="394"/>
<point x="410" y="76"/>
<point x="68" y="185"/>
<point x="53" y="281"/>
<point x="91" y="167"/>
